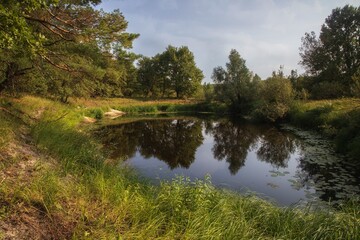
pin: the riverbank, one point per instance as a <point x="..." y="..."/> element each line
<point x="337" y="119"/>
<point x="66" y="189"/>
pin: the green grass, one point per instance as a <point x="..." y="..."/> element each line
<point x="174" y="108"/>
<point x="7" y="124"/>
<point x="337" y="119"/>
<point x="96" y="200"/>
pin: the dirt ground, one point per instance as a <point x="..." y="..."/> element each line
<point x="19" y="218"/>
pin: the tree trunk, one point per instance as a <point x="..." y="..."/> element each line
<point x="10" y="74"/>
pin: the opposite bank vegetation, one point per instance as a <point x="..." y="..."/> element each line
<point x="62" y="187"/>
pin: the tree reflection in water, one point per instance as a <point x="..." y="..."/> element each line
<point x="172" y="141"/>
<point x="276" y="147"/>
<point x="175" y="141"/>
<point x="233" y="141"/>
<point x="120" y="141"/>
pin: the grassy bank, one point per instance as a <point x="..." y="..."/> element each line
<point x="140" y="106"/>
<point x="337" y="119"/>
<point x="83" y="197"/>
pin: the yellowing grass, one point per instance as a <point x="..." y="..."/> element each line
<point x="121" y="102"/>
<point x="339" y="105"/>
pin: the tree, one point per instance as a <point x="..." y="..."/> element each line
<point x="235" y="85"/>
<point x="275" y="97"/>
<point x="179" y="68"/>
<point x="355" y="86"/>
<point x="208" y="91"/>
<point x="172" y="72"/>
<point x="125" y="62"/>
<point x="148" y="77"/>
<point x="52" y="35"/>
<point x="334" y="57"/>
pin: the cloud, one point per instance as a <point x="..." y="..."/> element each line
<point x="267" y="33"/>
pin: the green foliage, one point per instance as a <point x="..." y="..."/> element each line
<point x="174" y="108"/>
<point x="185" y="77"/>
<point x="15" y="32"/>
<point x="209" y="92"/>
<point x="333" y="57"/>
<point x="355" y="85"/>
<point x="235" y="86"/>
<point x="97" y="113"/>
<point x="139" y="109"/>
<point x="337" y="119"/>
<point x="172" y="72"/>
<point x="64" y="48"/>
<point x="328" y="90"/>
<point x="348" y="137"/>
<point x="275" y="98"/>
<point x="314" y="118"/>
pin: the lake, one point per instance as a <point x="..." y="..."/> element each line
<point x="265" y="160"/>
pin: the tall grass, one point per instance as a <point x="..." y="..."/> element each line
<point x="8" y="123"/>
<point x="175" y="108"/>
<point x="338" y="119"/>
<point x="6" y="132"/>
<point x="95" y="200"/>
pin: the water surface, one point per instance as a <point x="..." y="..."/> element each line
<point x="261" y="159"/>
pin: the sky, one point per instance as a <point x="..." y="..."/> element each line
<point x="266" y="33"/>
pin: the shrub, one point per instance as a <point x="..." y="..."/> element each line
<point x="276" y="96"/>
<point x="97" y="113"/>
<point x="328" y="90"/>
<point x="348" y="139"/>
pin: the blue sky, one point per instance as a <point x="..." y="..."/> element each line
<point x="266" y="33"/>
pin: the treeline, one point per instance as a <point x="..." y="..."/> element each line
<point x="172" y="72"/>
<point x="332" y="63"/>
<point x="245" y="93"/>
<point x="64" y="48"/>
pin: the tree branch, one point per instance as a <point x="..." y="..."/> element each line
<point x="48" y="23"/>
<point x="65" y="68"/>
<point x="55" y="32"/>
<point x="61" y="20"/>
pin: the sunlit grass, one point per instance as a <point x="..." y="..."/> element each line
<point x="339" y="119"/>
<point x="120" y="102"/>
<point x="137" y="106"/>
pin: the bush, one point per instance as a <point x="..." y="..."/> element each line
<point x="311" y="118"/>
<point x="97" y="113"/>
<point x="328" y="90"/>
<point x="276" y="96"/>
<point x="348" y="139"/>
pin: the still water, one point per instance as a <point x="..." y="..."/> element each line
<point x="264" y="160"/>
